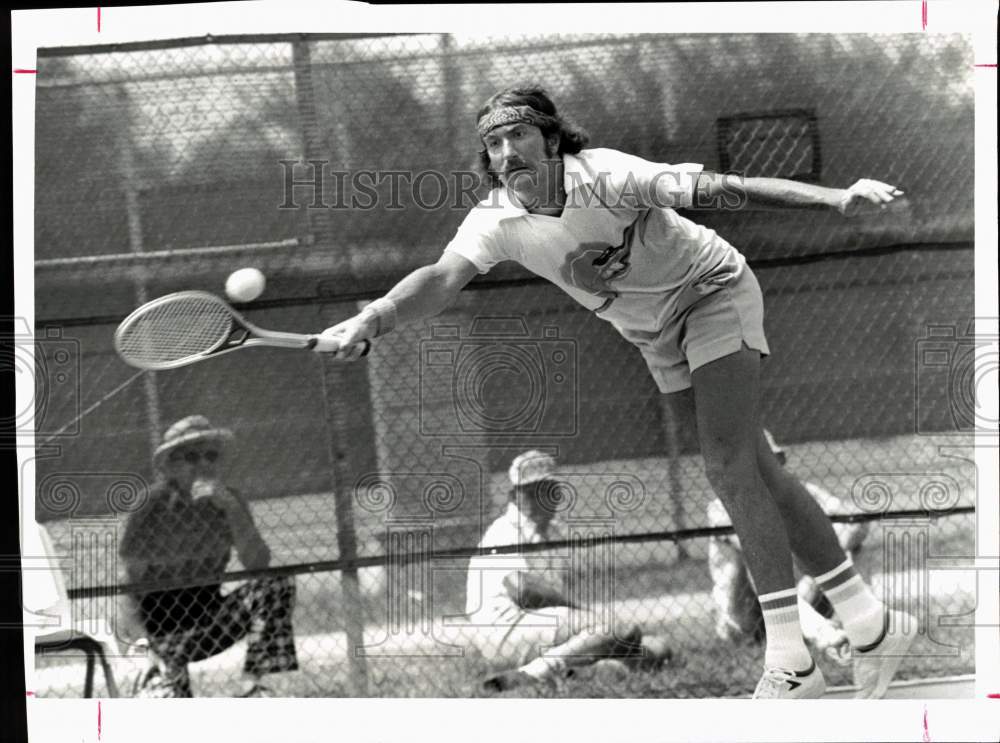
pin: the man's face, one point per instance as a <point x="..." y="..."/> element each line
<point x="199" y="461"/>
<point x="540" y="502"/>
<point x="522" y="158"/>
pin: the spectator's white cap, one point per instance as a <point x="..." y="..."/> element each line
<point x="530" y="467"/>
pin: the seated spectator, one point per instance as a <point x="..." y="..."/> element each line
<point x="738" y="610"/>
<point x="522" y="621"/>
<point x="185" y="535"/>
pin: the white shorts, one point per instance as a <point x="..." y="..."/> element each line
<point x="716" y="325"/>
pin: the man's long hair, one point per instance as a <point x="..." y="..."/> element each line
<point x="572" y="138"/>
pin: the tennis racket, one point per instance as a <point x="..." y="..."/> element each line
<point x="185" y="327"/>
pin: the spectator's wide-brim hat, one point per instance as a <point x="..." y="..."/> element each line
<point x="532" y="466"/>
<point x="190" y="430"/>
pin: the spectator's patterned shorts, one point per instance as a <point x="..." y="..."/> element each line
<point x="260" y="611"/>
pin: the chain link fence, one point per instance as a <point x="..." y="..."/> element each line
<point x="166" y="166"/>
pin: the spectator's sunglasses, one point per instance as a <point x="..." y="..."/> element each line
<point x="193" y="457"/>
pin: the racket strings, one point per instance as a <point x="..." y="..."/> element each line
<point x="175" y="330"/>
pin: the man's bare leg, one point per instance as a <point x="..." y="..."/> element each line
<point x="726" y="394"/>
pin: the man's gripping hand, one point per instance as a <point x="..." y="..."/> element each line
<point x="351" y="339"/>
<point x="346" y="339"/>
<point x="867" y="197"/>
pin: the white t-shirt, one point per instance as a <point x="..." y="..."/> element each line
<point x="618" y="248"/>
<point x="485" y="594"/>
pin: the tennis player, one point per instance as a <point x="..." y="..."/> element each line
<point x="601" y="224"/>
<point x="521" y="618"/>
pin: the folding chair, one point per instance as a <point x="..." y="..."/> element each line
<point x="93" y="649"/>
<point x="48" y="643"/>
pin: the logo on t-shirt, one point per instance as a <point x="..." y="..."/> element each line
<point x="592" y="266"/>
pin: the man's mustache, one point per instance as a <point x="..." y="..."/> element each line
<point x="512" y="167"/>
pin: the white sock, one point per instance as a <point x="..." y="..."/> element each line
<point x="785" y="647"/>
<point x="543" y="667"/>
<point x="861" y="612"/>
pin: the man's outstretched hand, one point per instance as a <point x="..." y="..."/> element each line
<point x="346" y="339"/>
<point x="868" y="197"/>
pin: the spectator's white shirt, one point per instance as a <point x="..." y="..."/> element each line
<point x="485" y="595"/>
<point x="618" y="248"/>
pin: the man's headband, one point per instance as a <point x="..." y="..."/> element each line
<point x="512" y="115"/>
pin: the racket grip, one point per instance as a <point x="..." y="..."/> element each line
<point x="330" y="344"/>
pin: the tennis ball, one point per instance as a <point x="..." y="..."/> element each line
<point x="245" y="285"/>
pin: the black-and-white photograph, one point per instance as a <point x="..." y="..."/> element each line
<point x="529" y="364"/>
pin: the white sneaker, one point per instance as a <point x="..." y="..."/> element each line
<point x="777" y="683"/>
<point x="875" y="665"/>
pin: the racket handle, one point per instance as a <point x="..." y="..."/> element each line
<point x="330" y="344"/>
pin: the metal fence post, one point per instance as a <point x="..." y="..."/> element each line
<point x="131" y="188"/>
<point x="675" y="491"/>
<point x="338" y="378"/>
<point x="347" y="543"/>
<point x="451" y="77"/>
